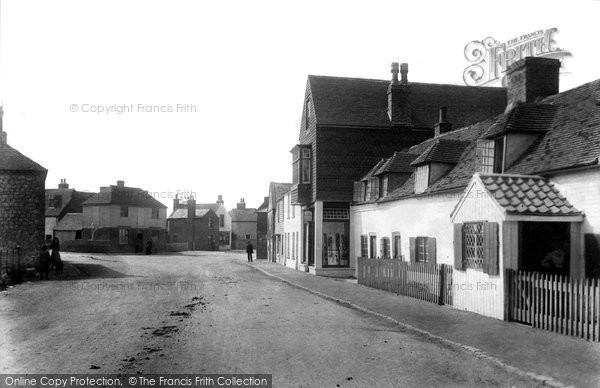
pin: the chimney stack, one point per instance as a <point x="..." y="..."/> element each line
<point x="399" y="109"/>
<point x="176" y="202"/>
<point x="443" y="125"/>
<point x="120" y="183"/>
<point x="241" y="205"/>
<point x="220" y="199"/>
<point x="531" y="79"/>
<point x="63" y="184"/>
<point x="191" y="207"/>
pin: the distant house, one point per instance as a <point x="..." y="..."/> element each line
<point x="224" y="238"/>
<point x="347" y="126"/>
<point x="243" y="226"/>
<point x="127" y="217"/>
<point x="274" y="227"/>
<point x="198" y="226"/>
<point x="22" y="207"/>
<point x="519" y="191"/>
<point x="262" y="229"/>
<point x="69" y="228"/>
<point x="61" y="201"/>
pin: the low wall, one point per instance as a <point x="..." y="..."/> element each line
<point x="177" y="247"/>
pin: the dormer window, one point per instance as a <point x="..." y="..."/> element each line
<point x="421" y="178"/>
<point x="491" y="155"/>
<point x="383" y="186"/>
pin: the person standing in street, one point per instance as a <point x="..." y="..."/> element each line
<point x="44" y="262"/>
<point x="249" y="251"/>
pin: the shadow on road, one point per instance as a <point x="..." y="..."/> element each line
<point x="98" y="271"/>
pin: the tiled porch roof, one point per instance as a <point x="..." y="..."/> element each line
<point x="527" y="195"/>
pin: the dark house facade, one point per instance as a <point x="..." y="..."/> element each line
<point x="243" y="226"/>
<point x="60" y="202"/>
<point x="22" y="183"/>
<point x="262" y="229"/>
<point x="197" y="225"/>
<point x="347" y="126"/>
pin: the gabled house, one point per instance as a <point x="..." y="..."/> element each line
<point x="194" y="224"/>
<point x="350" y="124"/>
<point x="243" y="226"/>
<point x="503" y="194"/>
<point x="224" y="238"/>
<point x="60" y="202"/>
<point x="22" y="207"/>
<point x="125" y="217"/>
<point x="274" y="221"/>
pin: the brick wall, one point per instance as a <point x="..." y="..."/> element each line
<point x="22" y="208"/>
<point x="198" y="234"/>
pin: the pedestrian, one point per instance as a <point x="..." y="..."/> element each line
<point x="55" y="259"/>
<point x="249" y="251"/>
<point x="149" y="247"/>
<point x="44" y="262"/>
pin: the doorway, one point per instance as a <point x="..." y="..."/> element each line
<point x="545" y="247"/>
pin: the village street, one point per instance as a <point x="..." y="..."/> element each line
<point x="212" y="313"/>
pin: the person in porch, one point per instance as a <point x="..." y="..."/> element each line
<point x="555" y="260"/>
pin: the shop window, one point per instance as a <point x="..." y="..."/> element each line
<point x="335" y="244"/>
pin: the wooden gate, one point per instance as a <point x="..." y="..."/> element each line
<point x="555" y="303"/>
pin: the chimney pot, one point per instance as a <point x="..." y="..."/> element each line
<point x="404" y="73"/>
<point x="395" y="72"/>
<point x="63" y="184"/>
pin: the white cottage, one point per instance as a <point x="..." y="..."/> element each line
<point x="518" y="191"/>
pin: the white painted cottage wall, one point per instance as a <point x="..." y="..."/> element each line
<point x="582" y="189"/>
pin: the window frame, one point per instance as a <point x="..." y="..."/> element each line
<point x="421" y="249"/>
<point x="124" y="211"/>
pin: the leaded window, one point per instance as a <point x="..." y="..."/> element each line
<point x="473" y="252"/>
<point x="335" y="214"/>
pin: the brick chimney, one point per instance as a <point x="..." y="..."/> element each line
<point x="63" y="184"/>
<point x="120" y="183"/>
<point x="443" y="125"/>
<point x="399" y="110"/>
<point x="191" y="207"/>
<point x="176" y="202"/>
<point x="241" y="205"/>
<point x="220" y="199"/>
<point x="531" y="79"/>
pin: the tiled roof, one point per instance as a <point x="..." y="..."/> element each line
<point x="363" y="102"/>
<point x="374" y="170"/>
<point x="398" y="163"/>
<point x="527" y="195"/>
<point x="442" y="151"/>
<point x="70" y="222"/>
<point x="131" y="196"/>
<point x="213" y="206"/>
<point x="243" y="215"/>
<point x="182" y="212"/>
<point x="524" y="117"/>
<point x="71" y="201"/>
<point x="573" y="137"/>
<point x="13" y="160"/>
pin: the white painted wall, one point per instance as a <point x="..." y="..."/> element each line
<point x="110" y="216"/>
<point x="292" y="224"/>
<point x="582" y="189"/>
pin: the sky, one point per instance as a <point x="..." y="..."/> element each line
<point x="210" y="94"/>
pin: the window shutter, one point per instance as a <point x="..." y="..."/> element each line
<point x="458" y="254"/>
<point x="431" y="253"/>
<point x="413" y="249"/>
<point x="490" y="248"/>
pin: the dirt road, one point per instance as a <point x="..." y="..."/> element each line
<point x="211" y="313"/>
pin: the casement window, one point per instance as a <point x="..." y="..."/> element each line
<point x="372" y="189"/>
<point x="421" y="178"/>
<point x="396" y="249"/>
<point x="385" y="248"/>
<point x="423" y="249"/>
<point x="210" y="223"/>
<point x="154" y="213"/>
<point x="221" y="220"/>
<point x="364" y="246"/>
<point x="476" y="246"/>
<point x="372" y="247"/>
<point x="124" y="211"/>
<point x="383" y="192"/>
<point x="123" y="236"/>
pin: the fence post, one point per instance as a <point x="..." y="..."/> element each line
<point x="508" y="289"/>
<point x="442" y="272"/>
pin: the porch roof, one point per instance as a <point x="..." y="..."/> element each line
<point x="526" y="195"/>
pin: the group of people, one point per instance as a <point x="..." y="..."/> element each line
<point x="50" y="260"/>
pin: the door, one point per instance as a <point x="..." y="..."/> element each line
<point x="309" y="246"/>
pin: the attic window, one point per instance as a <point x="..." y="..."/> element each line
<point x="421" y="178"/>
<point x="384" y="186"/>
<point x="307" y="114"/>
